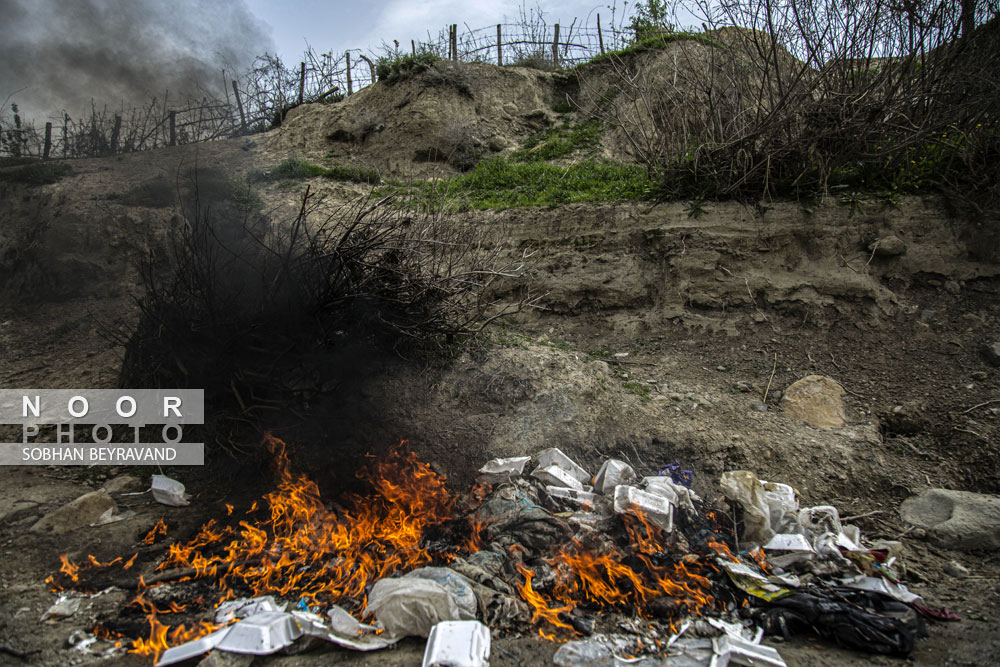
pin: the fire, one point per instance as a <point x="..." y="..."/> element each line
<point x="300" y="547"/>
<point x="620" y="578"/>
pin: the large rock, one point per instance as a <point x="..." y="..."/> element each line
<point x="83" y="511"/>
<point x="816" y="400"/>
<point x="992" y="353"/>
<point x="888" y="246"/>
<point x="956" y="519"/>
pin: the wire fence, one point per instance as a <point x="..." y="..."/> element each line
<point x="257" y="99"/>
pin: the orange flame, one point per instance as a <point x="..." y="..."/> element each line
<point x="301" y="547"/>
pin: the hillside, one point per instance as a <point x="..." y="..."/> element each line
<point x="661" y="330"/>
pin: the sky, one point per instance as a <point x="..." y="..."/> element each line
<point x="326" y="25"/>
<point x="65" y="55"/>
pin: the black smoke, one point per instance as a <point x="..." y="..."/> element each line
<point x="59" y="55"/>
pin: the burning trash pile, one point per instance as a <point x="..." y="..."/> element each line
<point x="612" y="566"/>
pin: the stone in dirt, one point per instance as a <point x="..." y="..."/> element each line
<point x="123" y="484"/>
<point x="955" y="519"/>
<point x="992" y="353"/>
<point x="83" y="511"/>
<point x="225" y="659"/>
<point x="816" y="400"/>
<point x="888" y="246"/>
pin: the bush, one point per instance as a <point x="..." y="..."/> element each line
<point x="36" y="173"/>
<point x="393" y="70"/>
<point x="238" y="304"/>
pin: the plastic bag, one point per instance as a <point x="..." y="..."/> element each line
<point x="743" y="487"/>
<point x="411" y="605"/>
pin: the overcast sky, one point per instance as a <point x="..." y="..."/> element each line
<point x="59" y="55"/>
<point x="329" y="25"/>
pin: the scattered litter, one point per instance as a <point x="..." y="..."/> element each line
<point x="454" y="583"/>
<point x="581" y="653"/>
<point x="751" y="581"/>
<point x="234" y="609"/>
<point x="407" y="606"/>
<point x="735" y="651"/>
<point x="64" y="607"/>
<point x="500" y="469"/>
<point x="192" y="649"/>
<point x="458" y="644"/>
<point x="556" y="476"/>
<point x="657" y="509"/>
<point x="261" y="634"/>
<point x="613" y="473"/>
<point x="789" y="542"/>
<point x="168" y="491"/>
<point x="677" y="476"/>
<point x="884" y="586"/>
<point x="743" y="487"/>
<point x="555" y="456"/>
<point x="574" y="497"/>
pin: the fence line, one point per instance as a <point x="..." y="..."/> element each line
<point x="262" y="95"/>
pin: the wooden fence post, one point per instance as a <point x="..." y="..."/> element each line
<point x="239" y="105"/>
<point x="371" y="65"/>
<point x="499" y="48"/>
<point x="302" y="82"/>
<point x="65" y="134"/>
<point x="350" y="89"/>
<point x="413" y="50"/>
<point x="454" y="42"/>
<point x="48" y="141"/>
<point x="600" y="37"/>
<point x="173" y="127"/>
<point x="115" y="133"/>
<point x="555" y="47"/>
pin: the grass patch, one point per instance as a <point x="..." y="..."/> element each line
<point x="293" y="169"/>
<point x="392" y="70"/>
<point x="655" y="41"/>
<point x="37" y="173"/>
<point x="637" y="388"/>
<point x="559" y="142"/>
<point x="499" y="183"/>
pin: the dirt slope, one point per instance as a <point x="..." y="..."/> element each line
<point x="708" y="314"/>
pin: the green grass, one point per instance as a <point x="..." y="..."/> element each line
<point x="293" y="169"/>
<point x="559" y="142"/>
<point x="37" y="173"/>
<point x="656" y="41"/>
<point x="637" y="388"/>
<point x="500" y="183"/>
<point x="391" y="70"/>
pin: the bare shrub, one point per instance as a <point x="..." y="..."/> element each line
<point x="235" y="302"/>
<point x="803" y="96"/>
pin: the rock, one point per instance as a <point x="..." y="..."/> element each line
<point x="758" y="406"/>
<point x="888" y="246"/>
<point x="955" y="519"/>
<point x="497" y="143"/>
<point x="817" y="401"/>
<point x="743" y="387"/>
<point x="122" y="484"/>
<point x="952" y="287"/>
<point x="956" y="569"/>
<point x="83" y="511"/>
<point x="992" y="353"/>
<point x="980" y="376"/>
<point x="226" y="659"/>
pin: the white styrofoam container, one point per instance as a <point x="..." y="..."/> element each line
<point x="458" y="644"/>
<point x="575" y="497"/>
<point x="512" y="466"/>
<point x="555" y="456"/>
<point x="555" y="476"/>
<point x="657" y="509"/>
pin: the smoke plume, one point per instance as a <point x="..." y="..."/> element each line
<point x="58" y="55"/>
